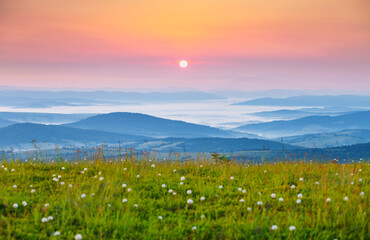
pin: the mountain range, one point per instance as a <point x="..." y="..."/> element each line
<point x="25" y="135"/>
<point x="312" y="100"/>
<point x="305" y="112"/>
<point x="311" y="124"/>
<point x="331" y="139"/>
<point x="45" y="99"/>
<point x="146" y="125"/>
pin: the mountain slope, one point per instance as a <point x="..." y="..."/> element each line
<point x="4" y="122"/>
<point x="308" y="100"/>
<point x="332" y="139"/>
<point x="312" y="124"/>
<point x="146" y="125"/>
<point x="26" y="133"/>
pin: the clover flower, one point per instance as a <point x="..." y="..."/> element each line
<point x="188" y="192"/>
<point x="24" y="203"/>
<point x="190" y="201"/>
<point x="273" y="195"/>
<point x="274" y="227"/>
<point x="15" y="205"/>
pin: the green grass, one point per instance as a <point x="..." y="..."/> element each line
<point x="103" y="215"/>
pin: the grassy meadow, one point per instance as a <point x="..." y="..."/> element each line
<point x="149" y="198"/>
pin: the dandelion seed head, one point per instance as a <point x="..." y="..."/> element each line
<point x="291" y="228"/>
<point x="78" y="237"/>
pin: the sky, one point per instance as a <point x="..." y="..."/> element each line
<point x="233" y="44"/>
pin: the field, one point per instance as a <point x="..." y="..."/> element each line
<point x="149" y="198"/>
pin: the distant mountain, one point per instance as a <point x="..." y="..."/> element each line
<point x="22" y="134"/>
<point x="4" y="123"/>
<point x="332" y="139"/>
<point x="258" y="94"/>
<point x="312" y="124"/>
<point x="45" y="118"/>
<point x="311" y="100"/>
<point x="146" y="125"/>
<point x="44" y="99"/>
<point x="207" y="145"/>
<point x="304" y="112"/>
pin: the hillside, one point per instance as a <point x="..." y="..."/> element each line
<point x="146" y="125"/>
<point x="332" y="139"/>
<point x="312" y="124"/>
<point x="26" y="133"/>
<point x="312" y="100"/>
<point x="220" y="145"/>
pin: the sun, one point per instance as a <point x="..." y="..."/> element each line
<point x="183" y="63"/>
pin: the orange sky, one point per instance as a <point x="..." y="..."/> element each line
<point x="252" y="44"/>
